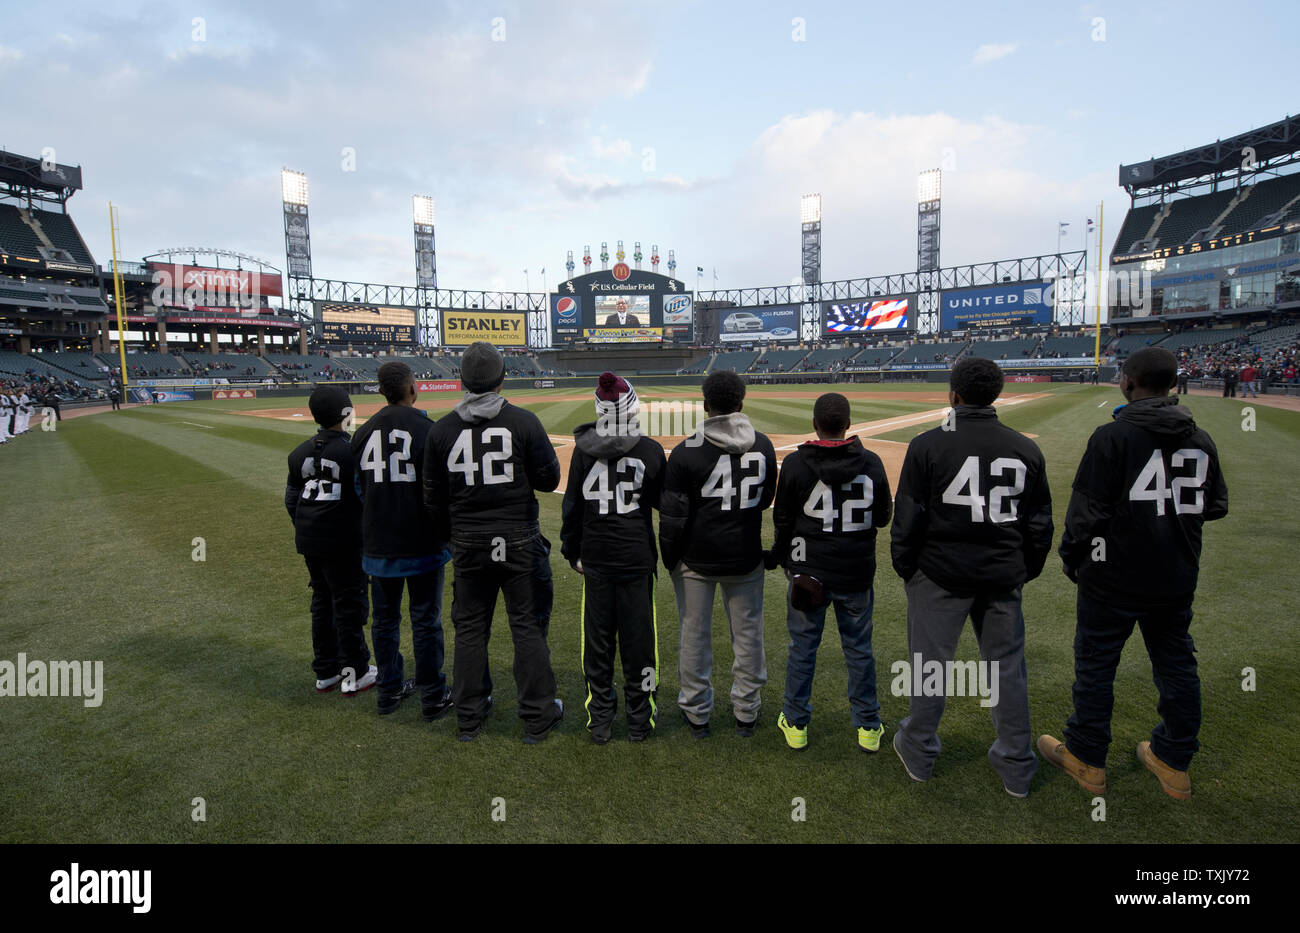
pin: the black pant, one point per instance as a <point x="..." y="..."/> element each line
<point x="1182" y="386"/>
<point x="620" y="608"/>
<point x="516" y="565"/>
<point x="1098" y="641"/>
<point x="338" y="614"/>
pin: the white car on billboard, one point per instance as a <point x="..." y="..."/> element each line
<point x="742" y="322"/>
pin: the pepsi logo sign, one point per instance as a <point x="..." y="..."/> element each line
<point x="566" y="308"/>
<point x="622" y="271"/>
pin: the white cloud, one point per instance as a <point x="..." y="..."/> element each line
<point x="616" y="149"/>
<point x="10" y="55"/>
<point x="992" y="51"/>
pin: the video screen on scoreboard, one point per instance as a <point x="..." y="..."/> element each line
<point x="370" y="324"/>
<point x="867" y="315"/>
<point x="622" y="319"/>
<point x="1021" y="305"/>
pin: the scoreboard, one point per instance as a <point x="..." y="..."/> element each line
<point x="363" y="323"/>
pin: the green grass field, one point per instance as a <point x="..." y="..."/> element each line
<point x="209" y="693"/>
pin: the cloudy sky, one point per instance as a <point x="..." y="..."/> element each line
<point x="541" y="127"/>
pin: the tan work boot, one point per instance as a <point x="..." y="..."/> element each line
<point x="1091" y="779"/>
<point x="1174" y="782"/>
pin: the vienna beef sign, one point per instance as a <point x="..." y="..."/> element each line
<point x="501" y="328"/>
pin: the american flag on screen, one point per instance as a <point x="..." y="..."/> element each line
<point x="855" y="316"/>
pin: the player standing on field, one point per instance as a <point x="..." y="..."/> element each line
<point x="831" y="498"/>
<point x="322" y="502"/>
<point x="615" y="478"/>
<point x="972" y="525"/>
<point x="483" y="463"/>
<point x="719" y="482"/>
<point x="1147" y="483"/>
<point x="403" y="549"/>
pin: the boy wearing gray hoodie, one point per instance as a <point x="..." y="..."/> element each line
<point x="710" y="531"/>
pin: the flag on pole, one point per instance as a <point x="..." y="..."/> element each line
<point x="1091" y="225"/>
<point x="1063" y="231"/>
<point x="699" y="270"/>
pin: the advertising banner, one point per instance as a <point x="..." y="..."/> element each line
<point x="623" y="334"/>
<point x="436" y="385"/>
<point x="761" y="324"/>
<point x="1023" y="304"/>
<point x="460" y="328"/>
<point x="566" y="317"/>
<point x="233" y="393"/>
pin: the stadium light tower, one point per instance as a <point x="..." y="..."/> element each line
<point x="297" y="243"/>
<point x="928" y="194"/>
<point x="810" y="223"/>
<point x="426" y="269"/>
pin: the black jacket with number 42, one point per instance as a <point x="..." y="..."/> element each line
<point x="1147" y="483"/>
<point x="614" y="486"/>
<point x="718" y="484"/>
<point x="389" y="452"/>
<point x="484" y="461"/>
<point x="831" y="499"/>
<point x="320" y="496"/>
<point x="973" y="509"/>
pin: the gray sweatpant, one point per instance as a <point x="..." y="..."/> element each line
<point x="742" y="600"/>
<point x="935" y="619"/>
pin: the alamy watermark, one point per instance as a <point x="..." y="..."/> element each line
<point x="935" y="678"/>
<point x="654" y="419"/>
<point x="24" y="678"/>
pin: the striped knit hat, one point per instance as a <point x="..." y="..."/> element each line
<point x="616" y="401"/>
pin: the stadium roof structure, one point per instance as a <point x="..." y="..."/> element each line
<point x="1266" y="148"/>
<point x="37" y="179"/>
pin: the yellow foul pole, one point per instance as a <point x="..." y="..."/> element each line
<point x="118" y="296"/>
<point x="1102" y="286"/>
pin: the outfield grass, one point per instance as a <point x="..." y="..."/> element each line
<point x="209" y="686"/>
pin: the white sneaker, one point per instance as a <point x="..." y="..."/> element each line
<point x="363" y="684"/>
<point x="328" y="684"/>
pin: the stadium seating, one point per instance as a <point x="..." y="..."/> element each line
<point x="1123" y="346"/>
<point x="1264" y="198"/>
<point x="931" y="353"/>
<point x="227" y="365"/>
<point x="821" y="360"/>
<point x="164" y="364"/>
<point x="1203" y="338"/>
<point x="739" y="360"/>
<point x="779" y="361"/>
<point x="76" y="365"/>
<point x="1135" y="226"/>
<point x="1018" y="349"/>
<point x="1189" y="215"/>
<point x="874" y="356"/>
<point x="697" y="365"/>
<point x="15" y="235"/>
<point x="62" y="232"/>
<point x="1276" y="338"/>
<point x="1068" y="346"/>
<point x="17" y="364"/>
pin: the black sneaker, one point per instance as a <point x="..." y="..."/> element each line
<point x="439" y="708"/>
<point x="540" y="737"/>
<point x="470" y="734"/>
<point x="388" y="702"/>
<point x="746" y="729"/>
<point x="601" y="732"/>
<point x="639" y="736"/>
<point x="698" y="730"/>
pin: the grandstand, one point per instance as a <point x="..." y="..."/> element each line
<point x="224" y="364"/>
<point x="943" y="352"/>
<point x="1068" y="346"/>
<point x="1017" y="349"/>
<point x="738" y="360"/>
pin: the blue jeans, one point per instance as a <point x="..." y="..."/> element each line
<point x="426" y="631"/>
<point x="853" y="615"/>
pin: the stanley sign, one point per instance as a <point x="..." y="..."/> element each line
<point x="500" y="328"/>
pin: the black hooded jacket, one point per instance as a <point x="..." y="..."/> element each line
<point x="614" y="485"/>
<point x="973" y="509"/>
<point x="833" y="496"/>
<point x="1147" y="483"/>
<point x="320" y="495"/>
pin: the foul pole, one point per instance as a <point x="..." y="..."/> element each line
<point x="113" y="234"/>
<point x="1102" y="287"/>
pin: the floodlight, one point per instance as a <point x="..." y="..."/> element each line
<point x="810" y="209"/>
<point x="293" y="187"/>
<point x="928" y="186"/>
<point x="422" y="210"/>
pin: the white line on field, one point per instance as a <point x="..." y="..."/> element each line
<point x="196" y="424"/>
<point x="879" y="427"/>
<point x="1102" y="402"/>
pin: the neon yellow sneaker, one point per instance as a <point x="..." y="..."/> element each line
<point x="869" y="739"/>
<point x="795" y="736"/>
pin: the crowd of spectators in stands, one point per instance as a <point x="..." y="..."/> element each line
<point x="1275" y="367"/>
